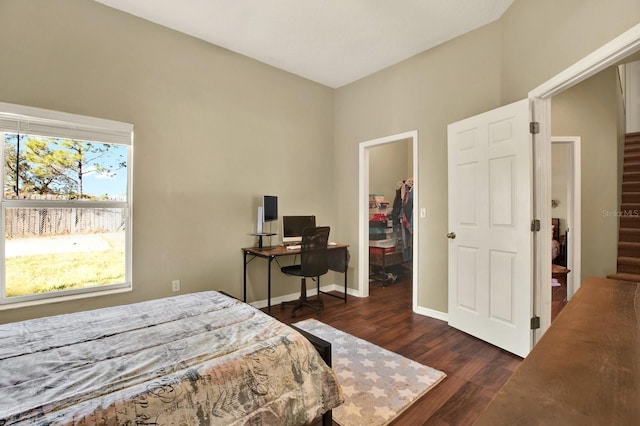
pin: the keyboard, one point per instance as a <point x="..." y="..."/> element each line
<point x="297" y="246"/>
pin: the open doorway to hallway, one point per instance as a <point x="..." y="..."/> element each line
<point x="565" y="208"/>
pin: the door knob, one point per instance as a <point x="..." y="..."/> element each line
<point x="451" y="235"/>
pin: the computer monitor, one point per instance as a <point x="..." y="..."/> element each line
<point x="267" y="212"/>
<point x="269" y="208"/>
<point x="292" y="227"/>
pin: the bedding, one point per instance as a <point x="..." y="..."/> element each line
<point x="201" y="358"/>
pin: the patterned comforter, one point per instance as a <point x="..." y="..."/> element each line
<point x="194" y="359"/>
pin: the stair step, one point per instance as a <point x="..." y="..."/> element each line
<point x="629" y="219"/>
<point x="630" y="244"/>
<point x="629" y="235"/>
<point x="632" y="137"/>
<point x="631" y="176"/>
<point x="630" y="187"/>
<point x="634" y="278"/>
<point x="630" y="197"/>
<point x="632" y="146"/>
<point x="628" y="265"/>
<point x="630" y="208"/>
<point x="629" y="260"/>
<point x="631" y="166"/>
<point x="624" y="268"/>
<point x="631" y="149"/>
<point x="629" y="249"/>
<point x="632" y="155"/>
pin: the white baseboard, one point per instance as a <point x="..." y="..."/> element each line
<point x="310" y="292"/>
<point x="279" y="299"/>
<point x="340" y="289"/>
<point x="442" y="316"/>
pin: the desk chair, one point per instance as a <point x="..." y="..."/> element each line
<point x="313" y="263"/>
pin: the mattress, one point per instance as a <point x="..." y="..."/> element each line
<point x="200" y="358"/>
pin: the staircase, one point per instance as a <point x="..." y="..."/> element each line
<point x="629" y="232"/>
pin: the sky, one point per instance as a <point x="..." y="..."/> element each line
<point x="96" y="183"/>
<point x="114" y="184"/>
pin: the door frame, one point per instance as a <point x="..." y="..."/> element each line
<point x="363" y="209"/>
<point x="611" y="53"/>
<point x="574" y="188"/>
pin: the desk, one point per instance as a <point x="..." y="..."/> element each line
<point x="560" y="273"/>
<point x="338" y="261"/>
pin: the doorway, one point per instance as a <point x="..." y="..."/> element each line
<point x="366" y="154"/>
<point x="610" y="54"/>
<point x="390" y="213"/>
<point x="566" y="212"/>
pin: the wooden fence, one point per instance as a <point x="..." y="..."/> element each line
<point x="30" y="222"/>
<point x="23" y="222"/>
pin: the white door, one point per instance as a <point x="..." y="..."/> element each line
<point x="490" y="212"/>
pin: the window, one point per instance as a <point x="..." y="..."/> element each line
<point x="66" y="204"/>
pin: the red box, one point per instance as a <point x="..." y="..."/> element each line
<point x="381" y="250"/>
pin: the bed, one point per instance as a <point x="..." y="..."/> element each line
<point x="194" y="359"/>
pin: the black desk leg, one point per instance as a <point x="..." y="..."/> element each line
<point x="346" y="270"/>
<point x="244" y="290"/>
<point x="269" y="283"/>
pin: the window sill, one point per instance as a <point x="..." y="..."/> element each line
<point x="30" y="303"/>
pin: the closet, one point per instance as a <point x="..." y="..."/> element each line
<point x="391" y="234"/>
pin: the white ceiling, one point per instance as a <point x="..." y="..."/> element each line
<point x="333" y="42"/>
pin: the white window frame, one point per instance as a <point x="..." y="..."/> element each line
<point x="55" y="124"/>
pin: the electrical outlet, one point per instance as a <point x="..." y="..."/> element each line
<point x="175" y="285"/>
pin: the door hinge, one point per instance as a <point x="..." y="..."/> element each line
<point x="535" y="323"/>
<point x="535" y="225"/>
<point x="534" y="127"/>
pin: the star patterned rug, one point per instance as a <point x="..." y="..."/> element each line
<point x="377" y="384"/>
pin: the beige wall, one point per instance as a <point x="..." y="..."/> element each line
<point x="590" y="110"/>
<point x="214" y="131"/>
<point x="422" y="93"/>
<point x="389" y="164"/>
<point x="541" y="38"/>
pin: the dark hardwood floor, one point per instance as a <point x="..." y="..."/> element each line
<point x="475" y="370"/>
<point x="558" y="299"/>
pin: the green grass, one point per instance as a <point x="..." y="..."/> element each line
<point x="46" y="273"/>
